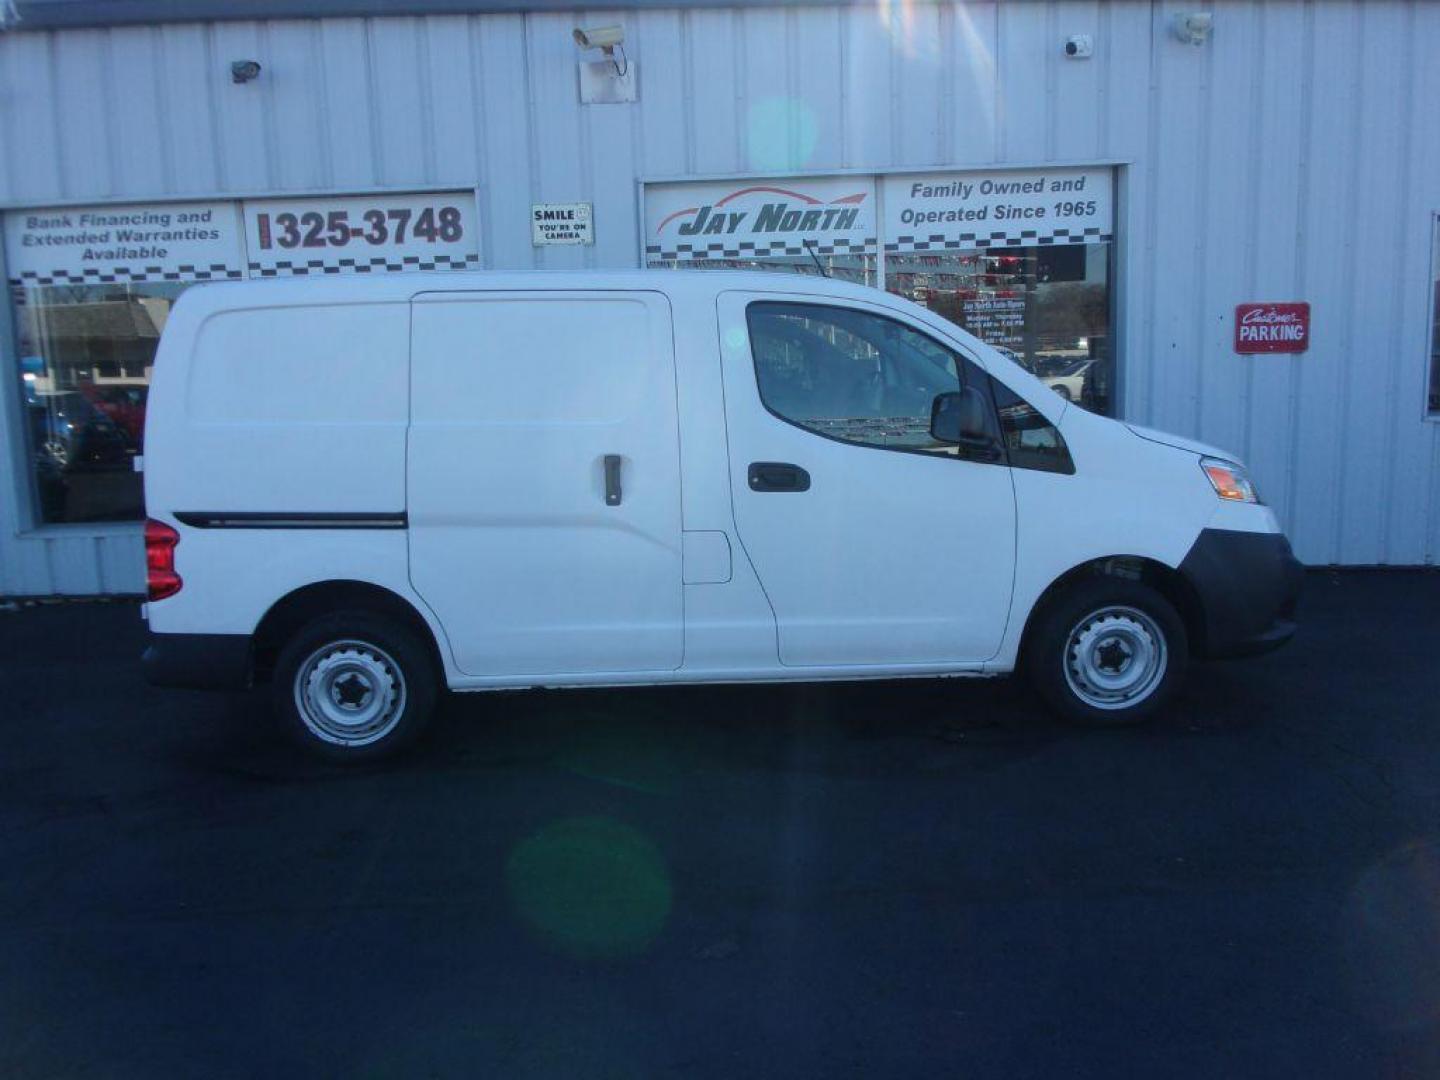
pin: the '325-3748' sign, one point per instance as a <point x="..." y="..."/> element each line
<point x="361" y="234"/>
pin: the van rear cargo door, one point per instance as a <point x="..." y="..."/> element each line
<point x="544" y="480"/>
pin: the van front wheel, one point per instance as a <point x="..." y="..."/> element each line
<point x="1108" y="652"/>
<point x="354" y="685"/>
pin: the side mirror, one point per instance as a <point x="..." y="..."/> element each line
<point x="961" y="418"/>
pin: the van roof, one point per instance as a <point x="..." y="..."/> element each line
<point x="393" y="287"/>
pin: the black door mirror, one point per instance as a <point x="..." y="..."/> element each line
<point x="962" y="418"/>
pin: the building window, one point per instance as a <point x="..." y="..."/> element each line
<point x="86" y="354"/>
<point x="1021" y="258"/>
<point x="1046" y="308"/>
<point x="92" y="288"/>
<point x="1018" y="257"/>
<point x="857" y="268"/>
<point x="1433" y="406"/>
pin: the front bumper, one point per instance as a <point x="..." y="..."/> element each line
<point x="1249" y="586"/>
<point x="198" y="661"/>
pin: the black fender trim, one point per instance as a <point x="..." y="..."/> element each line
<point x="198" y="661"/>
<point x="1249" y="588"/>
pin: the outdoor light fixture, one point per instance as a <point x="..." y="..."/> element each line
<point x="243" y="71"/>
<point x="1193" y="27"/>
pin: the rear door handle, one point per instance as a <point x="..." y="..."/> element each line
<point x="613" y="492"/>
<point x="778" y="476"/>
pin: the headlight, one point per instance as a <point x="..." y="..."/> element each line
<point x="1229" y="480"/>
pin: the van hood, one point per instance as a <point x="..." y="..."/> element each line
<point x="1179" y="442"/>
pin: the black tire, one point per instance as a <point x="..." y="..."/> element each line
<point x="378" y="674"/>
<point x="1112" y="621"/>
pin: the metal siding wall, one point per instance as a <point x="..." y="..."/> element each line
<point x="1278" y="178"/>
<point x="1251" y="156"/>
<point x="1414" y="470"/>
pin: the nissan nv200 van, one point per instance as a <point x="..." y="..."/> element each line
<point x="364" y="489"/>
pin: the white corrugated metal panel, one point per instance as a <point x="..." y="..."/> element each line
<point x="1294" y="156"/>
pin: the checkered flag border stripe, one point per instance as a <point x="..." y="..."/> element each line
<point x="378" y="265"/>
<point x="125" y="275"/>
<point x="750" y="249"/>
<point x="981" y="241"/>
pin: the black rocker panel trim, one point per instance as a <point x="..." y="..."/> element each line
<point x="249" y="519"/>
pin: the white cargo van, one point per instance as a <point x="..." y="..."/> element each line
<point x="362" y="489"/>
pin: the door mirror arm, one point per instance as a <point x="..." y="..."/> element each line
<point x="980" y="448"/>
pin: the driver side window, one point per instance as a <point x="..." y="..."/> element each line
<point x="854" y="376"/>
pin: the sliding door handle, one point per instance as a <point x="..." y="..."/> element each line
<point x="778" y="476"/>
<point x="612" y="480"/>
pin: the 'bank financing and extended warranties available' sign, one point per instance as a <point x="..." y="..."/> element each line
<point x="752" y="219"/>
<point x="951" y="211"/>
<point x="99" y="245"/>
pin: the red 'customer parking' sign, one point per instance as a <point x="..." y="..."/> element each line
<point x="1272" y="328"/>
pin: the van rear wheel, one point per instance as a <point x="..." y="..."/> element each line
<point x="1108" y="652"/>
<point x="354" y="686"/>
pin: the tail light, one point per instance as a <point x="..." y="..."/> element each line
<point x="161" y="580"/>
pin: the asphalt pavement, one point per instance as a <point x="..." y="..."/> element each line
<point x="866" y="880"/>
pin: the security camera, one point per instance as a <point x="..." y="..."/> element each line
<point x="604" y="38"/>
<point x="1193" y="27"/>
<point x="243" y="71"/>
<point x="1080" y="47"/>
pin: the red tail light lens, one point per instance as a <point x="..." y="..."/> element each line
<point x="161" y="580"/>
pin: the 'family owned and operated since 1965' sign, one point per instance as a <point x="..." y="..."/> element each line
<point x="940" y="211"/>
<point x="210" y="241"/>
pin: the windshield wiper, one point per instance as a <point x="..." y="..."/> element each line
<point x="810" y="247"/>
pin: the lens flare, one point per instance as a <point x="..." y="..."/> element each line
<point x="590" y="888"/>
<point x="781" y="133"/>
<point x="1392" y="938"/>
<point x="897" y="18"/>
<point x="914" y="28"/>
<point x="979" y="61"/>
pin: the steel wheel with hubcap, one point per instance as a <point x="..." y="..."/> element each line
<point x="1108" y="651"/>
<point x="355" y="685"/>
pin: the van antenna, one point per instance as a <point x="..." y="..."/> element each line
<point x="810" y="247"/>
